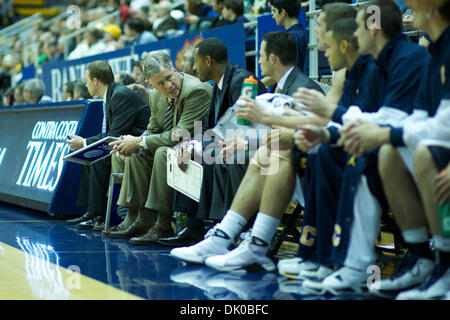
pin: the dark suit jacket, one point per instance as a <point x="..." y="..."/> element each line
<point x="298" y="79"/>
<point x="126" y="113"/>
<point x="231" y="90"/>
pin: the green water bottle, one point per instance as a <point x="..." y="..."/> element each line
<point x="249" y="89"/>
<point x="444" y="216"/>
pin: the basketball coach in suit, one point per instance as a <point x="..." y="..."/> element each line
<point x="124" y="112"/>
<point x="277" y="60"/>
<point x="177" y="101"/>
<point x="210" y="63"/>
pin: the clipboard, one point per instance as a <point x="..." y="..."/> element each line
<point x="92" y="152"/>
<point x="189" y="182"/>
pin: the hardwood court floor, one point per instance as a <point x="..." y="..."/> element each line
<point x="44" y="259"/>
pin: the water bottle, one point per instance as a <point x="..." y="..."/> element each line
<point x="444" y="217"/>
<point x="249" y="89"/>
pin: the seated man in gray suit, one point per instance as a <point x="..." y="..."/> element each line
<point x="177" y="101"/>
<point x="210" y="63"/>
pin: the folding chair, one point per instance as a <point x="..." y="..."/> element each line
<point x="113" y="179"/>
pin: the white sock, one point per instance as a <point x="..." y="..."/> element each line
<point x="418" y="235"/>
<point x="441" y="243"/>
<point x="232" y="224"/>
<point x="265" y="227"/>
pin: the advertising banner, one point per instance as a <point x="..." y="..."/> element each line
<point x="56" y="74"/>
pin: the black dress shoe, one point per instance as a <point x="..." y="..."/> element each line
<point x="184" y="238"/>
<point x="89" y="224"/>
<point x="84" y="217"/>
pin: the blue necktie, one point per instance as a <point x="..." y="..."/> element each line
<point x="104" y="118"/>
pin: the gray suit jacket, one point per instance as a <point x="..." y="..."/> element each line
<point x="297" y="79"/>
<point x="191" y="105"/>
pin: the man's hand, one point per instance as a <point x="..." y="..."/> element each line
<point x="358" y="137"/>
<point x="231" y="146"/>
<point x="442" y="186"/>
<point x="75" y="142"/>
<point x="126" y="146"/>
<point x="315" y="102"/>
<point x="251" y="111"/>
<point x="279" y="138"/>
<point x="309" y="136"/>
<point x="183" y="154"/>
<point x="140" y="89"/>
<point x="289" y="112"/>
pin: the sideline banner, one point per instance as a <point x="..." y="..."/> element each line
<point x="56" y="74"/>
<point x="32" y="146"/>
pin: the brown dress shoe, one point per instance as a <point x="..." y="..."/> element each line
<point x="99" y="226"/>
<point x="135" y="230"/>
<point x="119" y="227"/>
<point x="152" y="236"/>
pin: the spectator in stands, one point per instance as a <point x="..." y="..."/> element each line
<point x="195" y="12"/>
<point x="137" y="32"/>
<point x="139" y="75"/>
<point x="112" y="33"/>
<point x="164" y="23"/>
<point x="124" y="112"/>
<point x="124" y="8"/>
<point x="141" y="85"/>
<point x="81" y="48"/>
<point x="34" y="92"/>
<point x="217" y="21"/>
<point x="277" y="59"/>
<point x="187" y="63"/>
<point x="67" y="93"/>
<point x="96" y="42"/>
<point x="211" y="63"/>
<point x="285" y="13"/>
<point x="18" y="94"/>
<point x="125" y="78"/>
<point x="177" y="100"/>
<point x="80" y="91"/>
<point x="233" y="11"/>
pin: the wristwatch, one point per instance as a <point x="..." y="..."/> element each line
<point x="141" y="145"/>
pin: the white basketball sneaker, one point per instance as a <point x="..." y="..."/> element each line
<point x="435" y="286"/>
<point x="292" y="269"/>
<point x="411" y="272"/>
<point x="216" y="243"/>
<point x="343" y="281"/>
<point x="251" y="254"/>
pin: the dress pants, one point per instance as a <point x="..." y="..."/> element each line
<point x="145" y="182"/>
<point x="94" y="187"/>
<point x="219" y="185"/>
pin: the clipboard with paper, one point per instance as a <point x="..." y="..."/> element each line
<point x="92" y="152"/>
<point x="187" y="182"/>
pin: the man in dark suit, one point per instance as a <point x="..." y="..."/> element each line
<point x="124" y="112"/>
<point x="289" y="78"/>
<point x="210" y="63"/>
<point x="245" y="196"/>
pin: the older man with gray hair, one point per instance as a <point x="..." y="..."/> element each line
<point x="33" y="92"/>
<point x="177" y="100"/>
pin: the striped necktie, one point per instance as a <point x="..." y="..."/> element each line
<point x="168" y="121"/>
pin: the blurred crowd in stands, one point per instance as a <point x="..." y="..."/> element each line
<point x="140" y="21"/>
